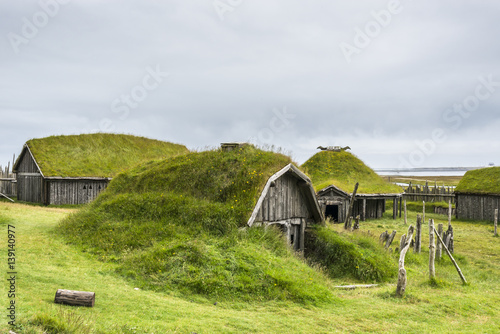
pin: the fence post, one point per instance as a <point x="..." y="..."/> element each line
<point x="423" y="211"/>
<point x="449" y="212"/>
<point x="432" y="250"/>
<point x="438" y="246"/>
<point x="418" y="235"/>
<point x="406" y="216"/>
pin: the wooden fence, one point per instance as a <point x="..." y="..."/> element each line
<point x="418" y="193"/>
<point x="7" y="182"/>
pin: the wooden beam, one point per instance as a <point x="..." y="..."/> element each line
<point x="452" y="259"/>
<point x="351" y="204"/>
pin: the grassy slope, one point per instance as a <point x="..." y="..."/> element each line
<point x="343" y="169"/>
<point x="46" y="264"/>
<point x="173" y="225"/>
<point x="480" y="181"/>
<point x="98" y="155"/>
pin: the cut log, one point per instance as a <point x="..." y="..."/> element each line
<point x="75" y="298"/>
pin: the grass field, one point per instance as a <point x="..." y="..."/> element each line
<point x="421" y="180"/>
<point x="46" y="263"/>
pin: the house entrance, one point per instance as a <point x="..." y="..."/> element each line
<point x="332" y="212"/>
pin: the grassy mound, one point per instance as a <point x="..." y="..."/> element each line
<point x="480" y="181"/>
<point x="350" y="255"/>
<point x="98" y="154"/>
<point x="174" y="225"/>
<point x="343" y="169"/>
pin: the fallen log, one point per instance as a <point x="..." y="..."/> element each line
<point x="75" y="298"/>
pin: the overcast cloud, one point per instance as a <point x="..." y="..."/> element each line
<point x="403" y="83"/>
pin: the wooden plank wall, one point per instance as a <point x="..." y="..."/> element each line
<point x="74" y="191"/>
<point x="29" y="188"/>
<point x="477" y="207"/>
<point x="283" y="201"/>
<point x="417" y="193"/>
<point x="7" y="182"/>
<point x="375" y="208"/>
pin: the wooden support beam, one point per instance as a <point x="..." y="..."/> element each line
<point x="351" y="204"/>
<point x="452" y="259"/>
<point x="406" y="214"/>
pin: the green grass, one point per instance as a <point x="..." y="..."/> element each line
<point x="349" y="255"/>
<point x="47" y="263"/>
<point x="97" y="155"/>
<point x="418" y="206"/>
<point x="343" y="169"/>
<point x="480" y="181"/>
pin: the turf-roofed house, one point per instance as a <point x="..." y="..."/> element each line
<point x="478" y="194"/>
<point x="75" y="169"/>
<point x="334" y="175"/>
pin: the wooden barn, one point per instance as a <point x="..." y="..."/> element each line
<point x="334" y="203"/>
<point x="334" y="175"/>
<point x="288" y="200"/>
<point x="478" y="194"/>
<point x="75" y="169"/>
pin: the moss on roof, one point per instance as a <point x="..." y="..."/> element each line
<point x="480" y="181"/>
<point x="97" y="155"/>
<point x="344" y="169"/>
<point x="233" y="178"/>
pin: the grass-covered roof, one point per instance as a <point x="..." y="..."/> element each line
<point x="174" y="225"/>
<point x="234" y="179"/>
<point x="343" y="170"/>
<point x="480" y="181"/>
<point x="98" y="154"/>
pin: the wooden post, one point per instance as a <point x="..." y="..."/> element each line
<point x="452" y="259"/>
<point x="423" y="211"/>
<point x="394" y="208"/>
<point x="438" y="246"/>
<point x="390" y="239"/>
<point x="449" y="239"/>
<point x="432" y="250"/>
<point x="356" y="223"/>
<point x="449" y="212"/>
<point x="400" y="206"/>
<point x="401" y="287"/>
<point x="364" y="210"/>
<point x="75" y="298"/>
<point x="351" y="204"/>
<point x="496" y="222"/>
<point x="418" y="235"/>
<point x="406" y="215"/>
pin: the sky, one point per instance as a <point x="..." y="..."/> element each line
<point x="402" y="83"/>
